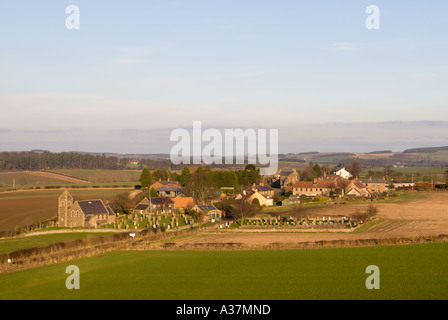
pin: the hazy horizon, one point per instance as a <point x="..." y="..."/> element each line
<point x="368" y="137"/>
<point x="136" y="70"/>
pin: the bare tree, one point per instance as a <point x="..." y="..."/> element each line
<point x="355" y="168"/>
<point x="242" y="209"/>
<point x="197" y="215"/>
<point x="123" y="203"/>
<point x="200" y="183"/>
<point x="363" y="215"/>
<point x="388" y="172"/>
<point x="371" y="211"/>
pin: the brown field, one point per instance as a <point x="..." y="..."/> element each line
<point x="18" y="212"/>
<point x="21" y="208"/>
<point x="57" y="177"/>
<point x="415" y="218"/>
<point x="35" y="178"/>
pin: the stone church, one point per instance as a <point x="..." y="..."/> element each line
<point x="88" y="213"/>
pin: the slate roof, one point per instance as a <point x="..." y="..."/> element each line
<point x="141" y="206"/>
<point x="93" y="207"/>
<point x="359" y="185"/>
<point x="319" y="184"/>
<point x="264" y="188"/>
<point x="111" y="212"/>
<point x="373" y="181"/>
<point x="161" y="201"/>
<point x="207" y="207"/>
<point x="170" y="187"/>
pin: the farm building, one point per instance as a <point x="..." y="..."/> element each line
<point x="159" y="184"/>
<point x="253" y="196"/>
<point x="283" y="178"/>
<point x="170" y="191"/>
<point x="343" y="173"/>
<point x="376" y="185"/>
<point x="292" y="200"/>
<point x="313" y="188"/>
<point x="357" y="189"/>
<point x="210" y="210"/>
<point x="88" y="213"/>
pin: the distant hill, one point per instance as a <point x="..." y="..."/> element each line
<point x="380" y="152"/>
<point x="426" y="150"/>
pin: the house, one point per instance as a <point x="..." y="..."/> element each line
<point x="87" y="213"/>
<point x="170" y="191"/>
<point x="357" y="189"/>
<point x="264" y="190"/>
<point x="157" y="206"/>
<point x="183" y="203"/>
<point x="210" y="211"/>
<point x="375" y="185"/>
<point x="284" y="178"/>
<point x="402" y="184"/>
<point x="293" y="200"/>
<point x="159" y="184"/>
<point x="254" y="197"/>
<point x="343" y="173"/>
<point x="313" y="188"/>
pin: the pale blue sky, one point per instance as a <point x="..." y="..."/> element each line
<point x="137" y="69"/>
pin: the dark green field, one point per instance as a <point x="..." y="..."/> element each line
<point x="406" y="272"/>
<point x="10" y="245"/>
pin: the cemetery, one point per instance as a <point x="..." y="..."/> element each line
<point x="144" y="221"/>
<point x="279" y="222"/>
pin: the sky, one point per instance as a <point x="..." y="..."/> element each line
<point x="136" y="70"/>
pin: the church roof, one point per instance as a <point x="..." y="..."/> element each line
<point x="93" y="207"/>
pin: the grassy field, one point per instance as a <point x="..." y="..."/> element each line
<point x="406" y="272"/>
<point x="28" y="179"/>
<point x="105" y="176"/>
<point x="10" y="245"/>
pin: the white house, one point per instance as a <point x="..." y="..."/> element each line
<point x="344" y="174"/>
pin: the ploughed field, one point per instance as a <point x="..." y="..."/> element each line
<point x="406" y="272"/>
<point x="423" y="216"/>
<point x="21" y="208"/>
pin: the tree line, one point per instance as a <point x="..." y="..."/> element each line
<point x="11" y="161"/>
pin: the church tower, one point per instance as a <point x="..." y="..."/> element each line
<point x="65" y="202"/>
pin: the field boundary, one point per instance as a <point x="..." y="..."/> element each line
<point x="291" y="245"/>
<point x="66" y="175"/>
<point x="68" y="250"/>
